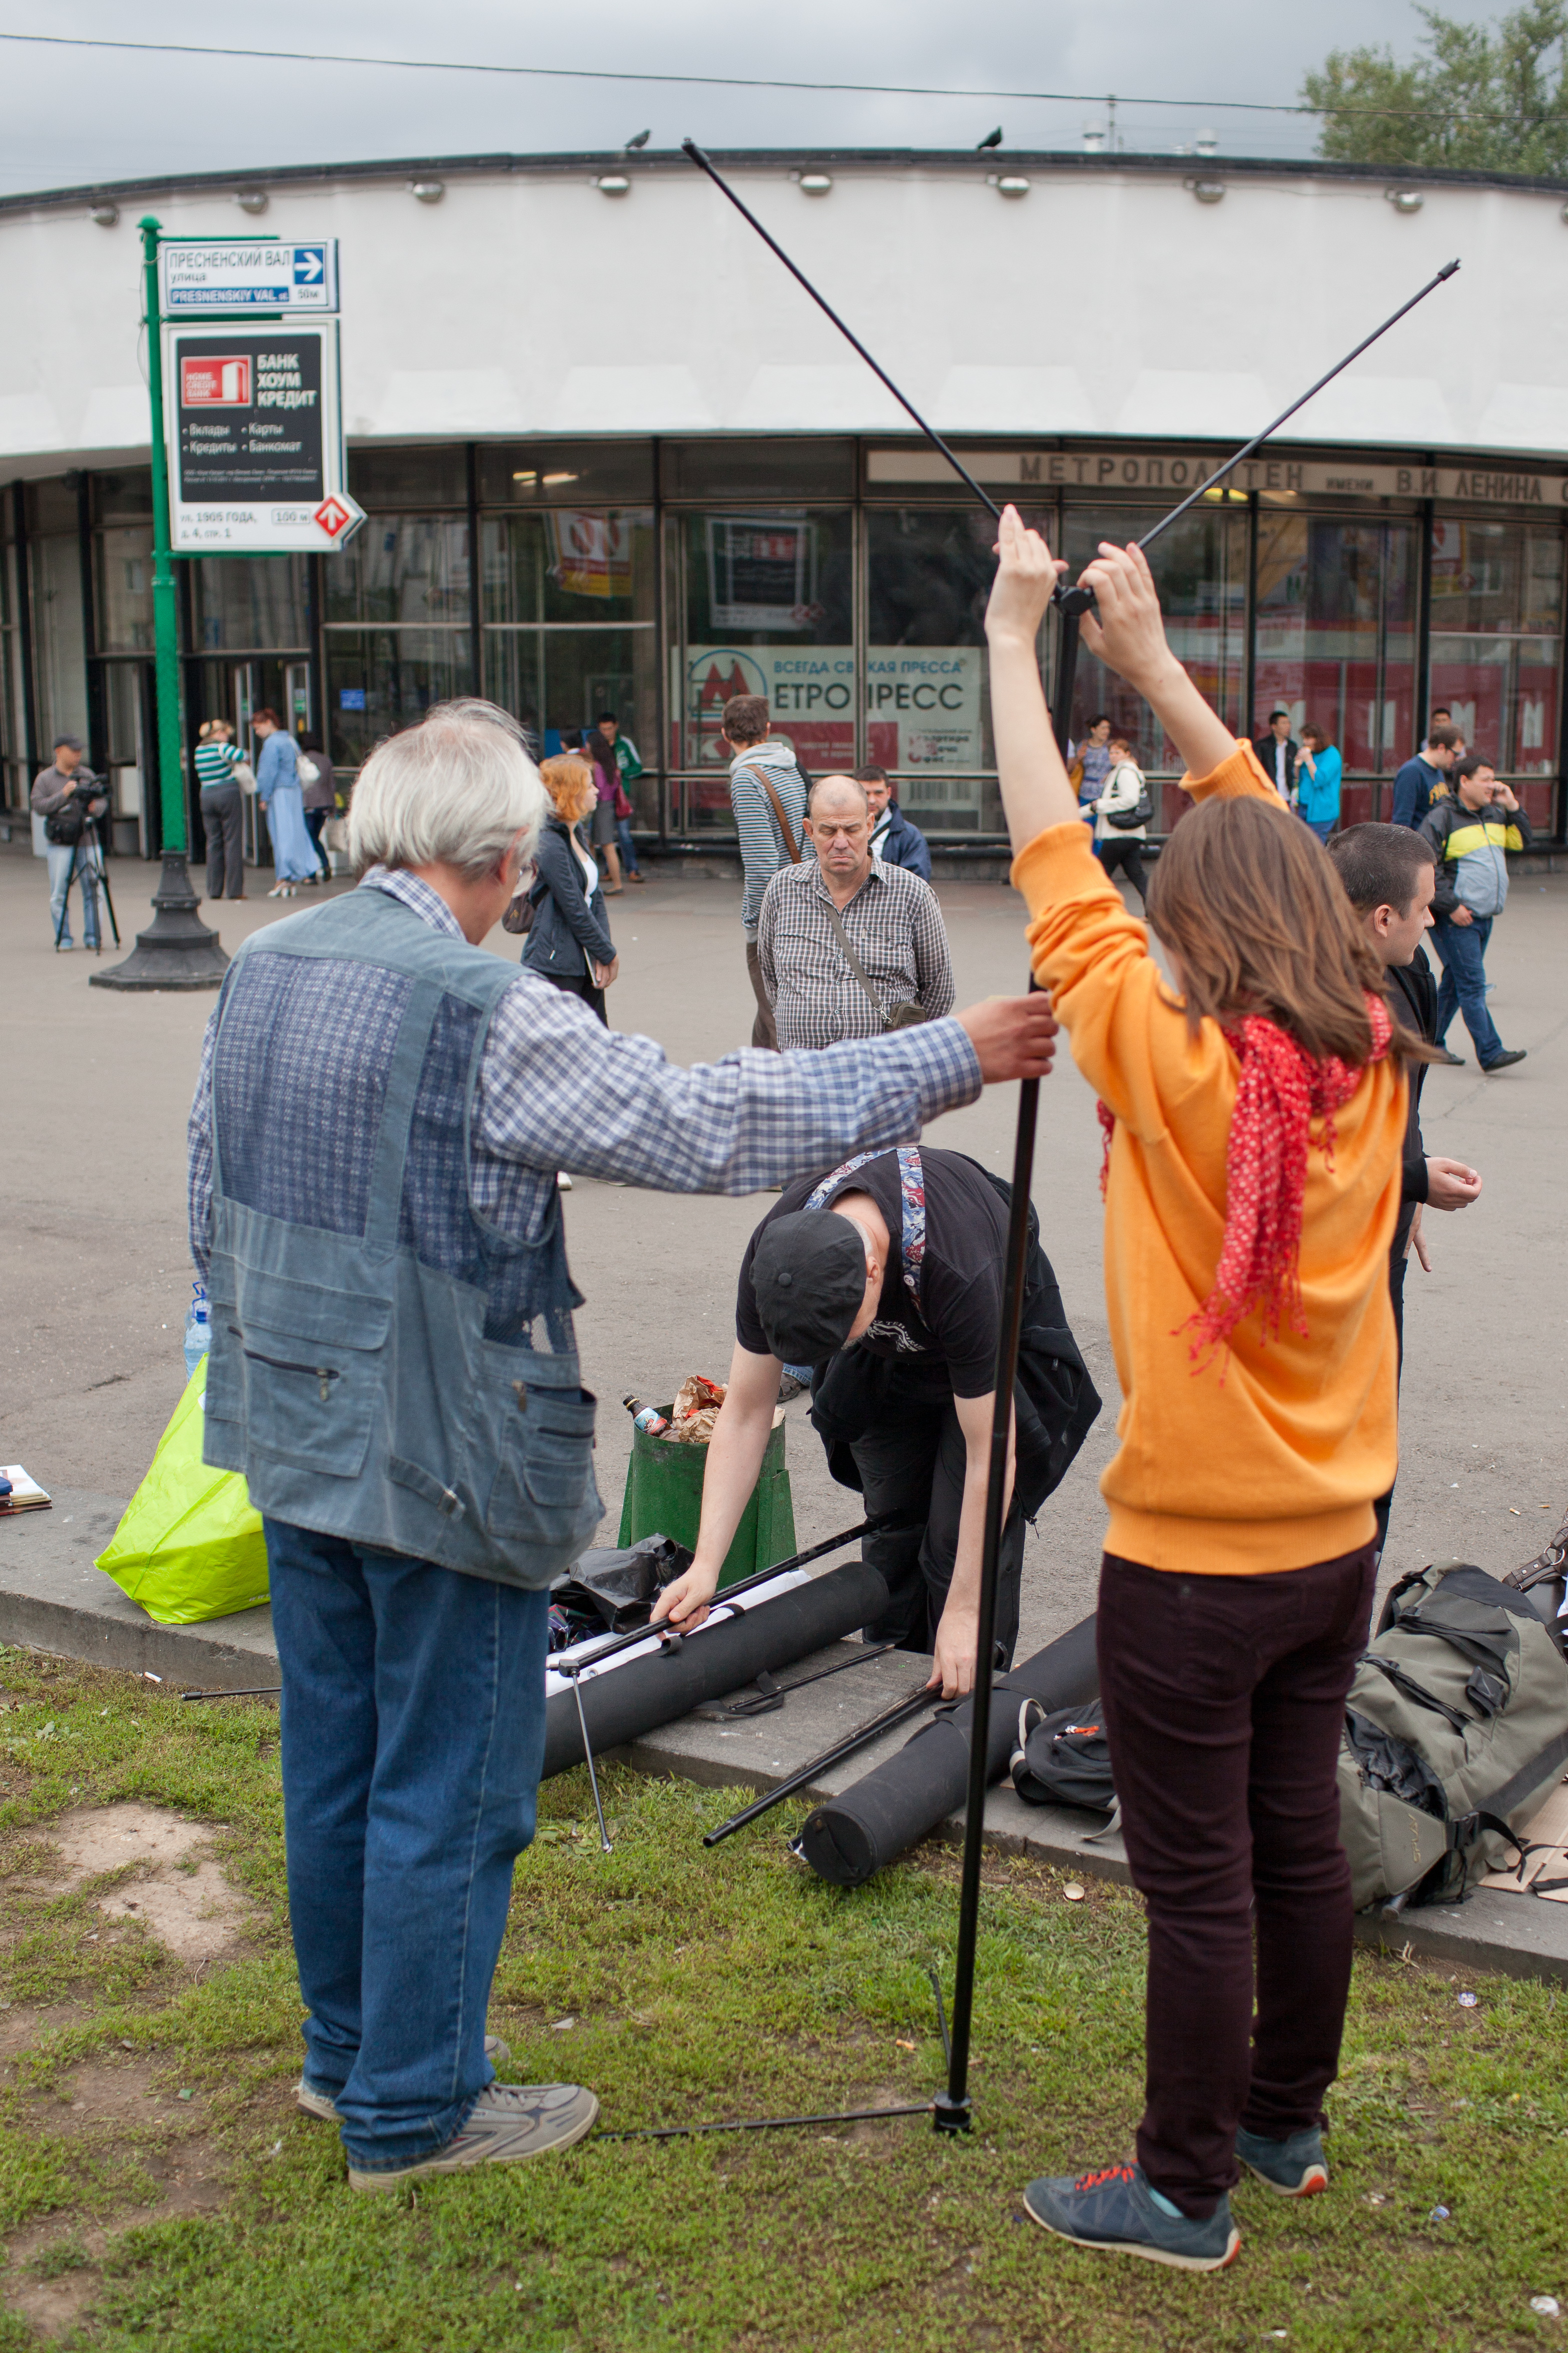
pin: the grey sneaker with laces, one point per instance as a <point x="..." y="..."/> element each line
<point x="317" y="2103"/>
<point x="507" y="2123"/>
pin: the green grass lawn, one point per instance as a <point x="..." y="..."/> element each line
<point x="158" y="2186"/>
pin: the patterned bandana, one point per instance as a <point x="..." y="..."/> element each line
<point x="1281" y="1091"/>
<point x="912" y="1193"/>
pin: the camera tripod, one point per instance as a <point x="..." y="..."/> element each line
<point x="92" y="871"/>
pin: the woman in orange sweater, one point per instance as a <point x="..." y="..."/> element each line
<point x="1254" y="1114"/>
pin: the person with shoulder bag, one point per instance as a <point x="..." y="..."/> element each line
<point x="220" y="773"/>
<point x="767" y="793"/>
<point x="1121" y="815"/>
<point x="567" y="941"/>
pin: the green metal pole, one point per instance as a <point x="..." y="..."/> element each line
<point x="177" y="950"/>
<point x="165" y="604"/>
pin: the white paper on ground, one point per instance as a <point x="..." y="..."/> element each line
<point x="555" y="1682"/>
<point x="23" y="1489"/>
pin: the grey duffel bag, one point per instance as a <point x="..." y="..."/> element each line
<point x="1456" y="1727"/>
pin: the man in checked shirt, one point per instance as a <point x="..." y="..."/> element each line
<point x="380" y="1115"/>
<point x="849" y="946"/>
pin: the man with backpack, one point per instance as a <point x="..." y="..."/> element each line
<point x="767" y="793"/>
<point x="70" y="799"/>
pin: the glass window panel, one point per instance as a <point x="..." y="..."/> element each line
<point x="570" y="563"/>
<point x="434" y="476"/>
<point x="1200" y="570"/>
<point x="1503" y="693"/>
<point x="381" y="679"/>
<point x="587" y="473"/>
<point x="60" y="648"/>
<point x="123" y="498"/>
<point x="257" y="602"/>
<point x="50" y="507"/>
<point x="406" y="568"/>
<point x="769" y="610"/>
<point x="1335" y="638"/>
<point x="557" y="681"/>
<point x="122" y="717"/>
<point x="125" y="588"/>
<point x="816" y="468"/>
<point x="928" y="705"/>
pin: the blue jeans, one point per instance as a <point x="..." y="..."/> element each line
<point x="1462" y="949"/>
<point x="1321" y="825"/>
<point x="59" y="856"/>
<point x="624" y="835"/>
<point x="412" y="1731"/>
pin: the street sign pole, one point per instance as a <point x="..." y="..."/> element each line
<point x="177" y="950"/>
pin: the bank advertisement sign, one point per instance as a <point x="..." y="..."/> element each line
<point x="255" y="441"/>
<point x="922" y="702"/>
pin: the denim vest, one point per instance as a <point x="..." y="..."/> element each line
<point x="387" y="1365"/>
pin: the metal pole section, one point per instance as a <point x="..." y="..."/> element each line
<point x="950" y="2111"/>
<point x="165" y="601"/>
<point x="177" y="950"/>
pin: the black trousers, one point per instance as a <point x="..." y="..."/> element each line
<point x="1397" y="1262"/>
<point x="1125" y="850"/>
<point x="764" y="1032"/>
<point x="913" y="1463"/>
<point x="315" y="821"/>
<point x="223" y="814"/>
<point x="594" y="998"/>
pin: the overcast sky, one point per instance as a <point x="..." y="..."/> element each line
<point x="80" y="115"/>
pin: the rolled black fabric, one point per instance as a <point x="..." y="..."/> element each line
<point x="855" y="1835"/>
<point x="644" y="1693"/>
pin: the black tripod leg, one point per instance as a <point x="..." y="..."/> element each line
<point x="66" y="903"/>
<point x="952" y="2111"/>
<point x="109" y="902"/>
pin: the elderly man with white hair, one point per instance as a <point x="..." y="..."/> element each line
<point x="381" y="1113"/>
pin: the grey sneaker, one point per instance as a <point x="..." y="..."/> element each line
<point x="506" y="2124"/>
<point x="1117" y="2212"/>
<point x="1296" y="2167"/>
<point x="317" y="2103"/>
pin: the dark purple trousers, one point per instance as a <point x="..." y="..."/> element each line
<point x="1224" y="1698"/>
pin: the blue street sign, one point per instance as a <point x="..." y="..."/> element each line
<point x="208" y="277"/>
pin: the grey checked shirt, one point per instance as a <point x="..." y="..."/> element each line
<point x="557" y="1089"/>
<point x="895" y="925"/>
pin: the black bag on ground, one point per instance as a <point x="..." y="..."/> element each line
<point x="611" y="1590"/>
<point x="1456" y="1727"/>
<point x="1063" y="1758"/>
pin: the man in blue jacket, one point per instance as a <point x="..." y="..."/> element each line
<point x="894" y="840"/>
<point x="1419" y="778"/>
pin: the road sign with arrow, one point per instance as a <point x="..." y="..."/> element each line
<point x="203" y="276"/>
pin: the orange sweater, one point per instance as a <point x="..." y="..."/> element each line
<point x="1269" y="1459"/>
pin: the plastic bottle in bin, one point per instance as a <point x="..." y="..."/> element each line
<point x="647" y="1417"/>
<point x="198" y="1329"/>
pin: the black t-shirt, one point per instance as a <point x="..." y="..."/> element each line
<point x="951" y="1338"/>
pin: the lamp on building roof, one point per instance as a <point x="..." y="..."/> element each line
<point x="429" y="192"/>
<point x="613" y="184"/>
<point x="1207" y="192"/>
<point x="1404" y="200"/>
<point x="1094" y="138"/>
<point x="1205" y="143"/>
<point x="1012" y="185"/>
<point x="104" y="214"/>
<point x="251" y="200"/>
<point x="812" y="183"/>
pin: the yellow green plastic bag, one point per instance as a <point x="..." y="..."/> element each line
<point x="189" y="1546"/>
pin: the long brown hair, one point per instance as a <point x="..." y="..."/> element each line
<point x="1243" y="894"/>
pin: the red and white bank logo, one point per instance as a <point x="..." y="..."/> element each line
<point x="333" y="516"/>
<point x="214" y="382"/>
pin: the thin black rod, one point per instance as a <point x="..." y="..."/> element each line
<point x="588" y="1760"/>
<point x="689" y="147"/>
<point x="260" y="1690"/>
<point x="766" y="2124"/>
<point x="940" y="2016"/>
<point x="952" y="2111"/>
<point x="1258" y="439"/>
<point x="834" y="1755"/>
<point x="768" y="1702"/>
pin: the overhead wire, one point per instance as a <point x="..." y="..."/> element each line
<point x="763" y="81"/>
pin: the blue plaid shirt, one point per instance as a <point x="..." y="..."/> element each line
<point x="557" y="1089"/>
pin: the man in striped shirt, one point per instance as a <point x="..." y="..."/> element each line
<point x="767" y="793"/>
<point x="849" y="946"/>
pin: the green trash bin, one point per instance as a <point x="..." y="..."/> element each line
<point x="664" y="1497"/>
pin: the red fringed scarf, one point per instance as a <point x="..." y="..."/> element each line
<point x="1280" y="1092"/>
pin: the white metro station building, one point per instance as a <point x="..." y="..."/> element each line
<point x="613" y="459"/>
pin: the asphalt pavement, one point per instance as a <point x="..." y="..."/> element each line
<point x="97" y="1278"/>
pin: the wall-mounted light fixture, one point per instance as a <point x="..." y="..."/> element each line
<point x="613" y="183"/>
<point x="1404" y="200"/>
<point x="429" y="191"/>
<point x="1010" y="186"/>
<point x="812" y="183"/>
<point x="251" y="200"/>
<point x="105" y="214"/>
<point x="1207" y="192"/>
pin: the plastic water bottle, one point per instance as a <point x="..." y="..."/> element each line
<point x="198" y="1329"/>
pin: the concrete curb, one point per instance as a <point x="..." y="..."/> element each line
<point x="52" y="1599"/>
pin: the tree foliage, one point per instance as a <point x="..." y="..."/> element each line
<point x="1490" y="98"/>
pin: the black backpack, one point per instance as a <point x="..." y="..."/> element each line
<point x="1064" y="1760"/>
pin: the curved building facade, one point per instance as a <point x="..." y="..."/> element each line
<point x="613" y="457"/>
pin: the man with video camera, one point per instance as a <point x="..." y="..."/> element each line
<point x="70" y="799"/>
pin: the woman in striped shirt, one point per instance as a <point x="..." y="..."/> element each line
<point x="223" y="808"/>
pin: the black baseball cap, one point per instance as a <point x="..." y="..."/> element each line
<point x="808" y="1272"/>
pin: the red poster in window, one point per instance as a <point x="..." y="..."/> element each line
<point x="215" y="380"/>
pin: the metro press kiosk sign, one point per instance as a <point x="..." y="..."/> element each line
<point x="255" y="439"/>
